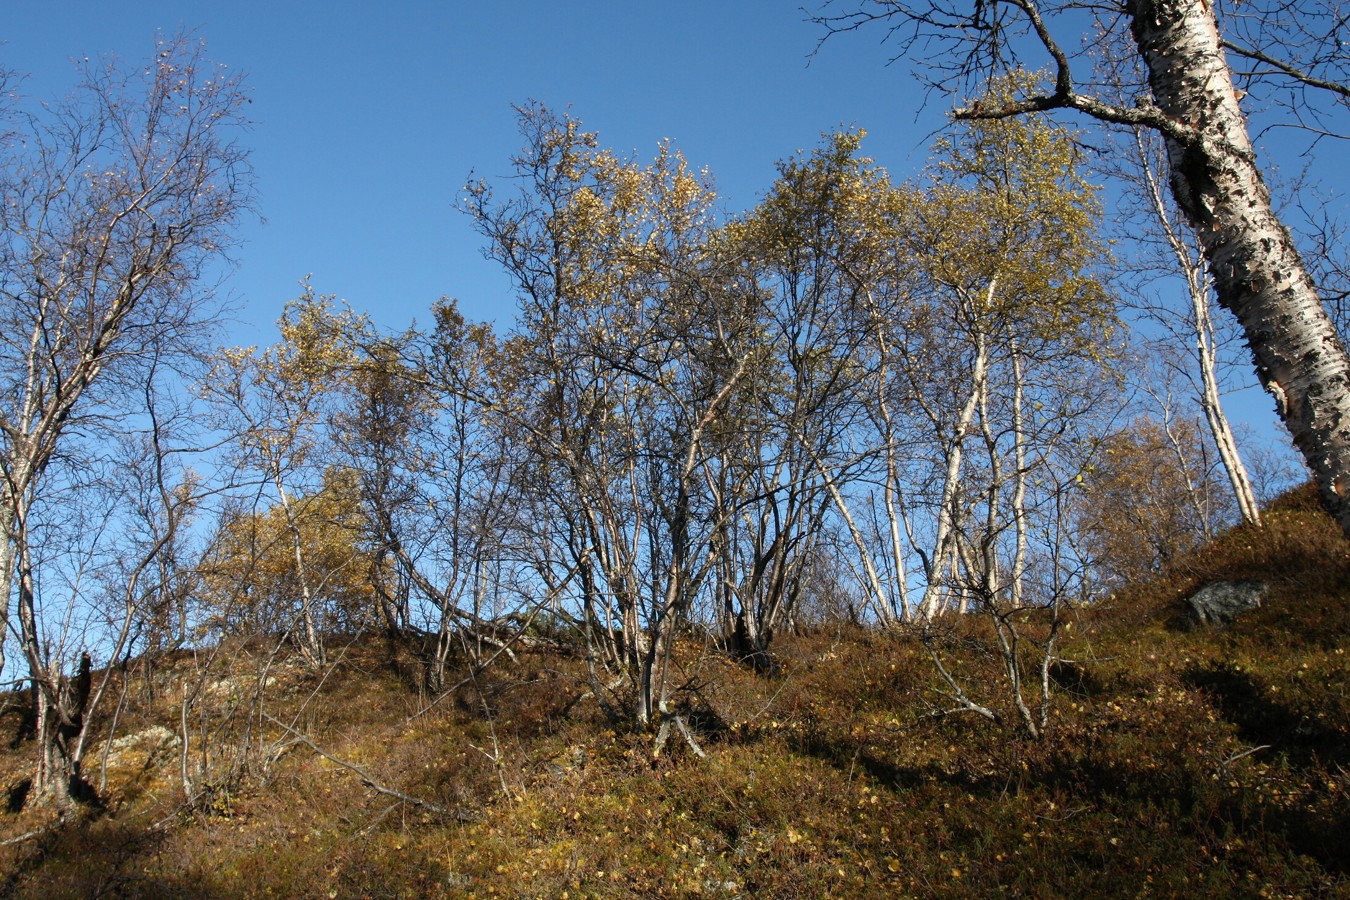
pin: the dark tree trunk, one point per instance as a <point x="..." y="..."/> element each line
<point x="60" y="722"/>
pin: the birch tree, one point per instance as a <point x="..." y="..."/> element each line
<point x="812" y="246"/>
<point x="1188" y="95"/>
<point x="116" y="201"/>
<point x="989" y="336"/>
<point x="1170" y="247"/>
<point x="251" y="580"/>
<point x="435" y="470"/>
<point x="279" y="404"/>
<point x="1143" y="501"/>
<point x="984" y="337"/>
<point x="620" y="293"/>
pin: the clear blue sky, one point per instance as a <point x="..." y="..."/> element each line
<point x="370" y="116"/>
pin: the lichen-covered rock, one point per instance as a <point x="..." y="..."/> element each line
<point x="1220" y="602"/>
<point x="143" y="761"/>
<point x="151" y="742"/>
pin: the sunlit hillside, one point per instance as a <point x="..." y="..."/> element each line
<point x="1204" y="762"/>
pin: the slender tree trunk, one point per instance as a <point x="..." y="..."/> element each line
<point x="988" y="562"/>
<point x="1019" y="497"/>
<point x="893" y="497"/>
<point x="1219" y="427"/>
<point x="880" y="599"/>
<point x="13" y="536"/>
<point x="944" y="544"/>
<point x="1258" y="274"/>
<point x="899" y="606"/>
<point x="1198" y="289"/>
<point x="60" y="702"/>
<point x="312" y="644"/>
<point x="900" y="594"/>
<point x="7" y="523"/>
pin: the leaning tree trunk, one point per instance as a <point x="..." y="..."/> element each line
<point x="1258" y="274"/>
<point x="1198" y="281"/>
<point x="1219" y="426"/>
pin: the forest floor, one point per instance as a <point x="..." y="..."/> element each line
<point x="1204" y="762"/>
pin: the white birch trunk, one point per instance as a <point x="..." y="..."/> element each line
<point x="898" y="526"/>
<point x="1257" y="271"/>
<point x="880" y="601"/>
<point x="1219" y="427"/>
<point x="1019" y="498"/>
<point x="944" y="540"/>
<point x="312" y="645"/>
<point x="7" y="539"/>
<point x="1197" y="286"/>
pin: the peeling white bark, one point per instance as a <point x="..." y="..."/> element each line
<point x="1258" y="274"/>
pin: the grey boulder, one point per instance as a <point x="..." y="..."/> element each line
<point x="1220" y="602"/>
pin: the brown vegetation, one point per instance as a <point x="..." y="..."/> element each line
<point x="1206" y="762"/>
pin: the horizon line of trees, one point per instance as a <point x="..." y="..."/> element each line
<point x="886" y="403"/>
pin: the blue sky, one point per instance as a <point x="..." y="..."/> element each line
<point x="370" y="116"/>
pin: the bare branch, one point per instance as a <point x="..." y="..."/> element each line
<point x="1335" y="87"/>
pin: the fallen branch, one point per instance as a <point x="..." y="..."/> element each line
<point x="369" y="781"/>
<point x="36" y="832"/>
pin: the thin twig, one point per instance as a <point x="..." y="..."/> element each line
<point x="369" y="781"/>
<point x="1234" y="758"/>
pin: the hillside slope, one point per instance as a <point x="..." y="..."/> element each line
<point x="1215" y="763"/>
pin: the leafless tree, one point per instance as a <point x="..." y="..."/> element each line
<point x="1168" y="250"/>
<point x="115" y="202"/>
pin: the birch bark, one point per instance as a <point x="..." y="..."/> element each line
<point x="1257" y="271"/>
<point x="1198" y="284"/>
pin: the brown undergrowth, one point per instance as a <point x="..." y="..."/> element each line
<point x="1214" y="763"/>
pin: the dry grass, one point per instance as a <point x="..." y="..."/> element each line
<point x="1212" y="763"/>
